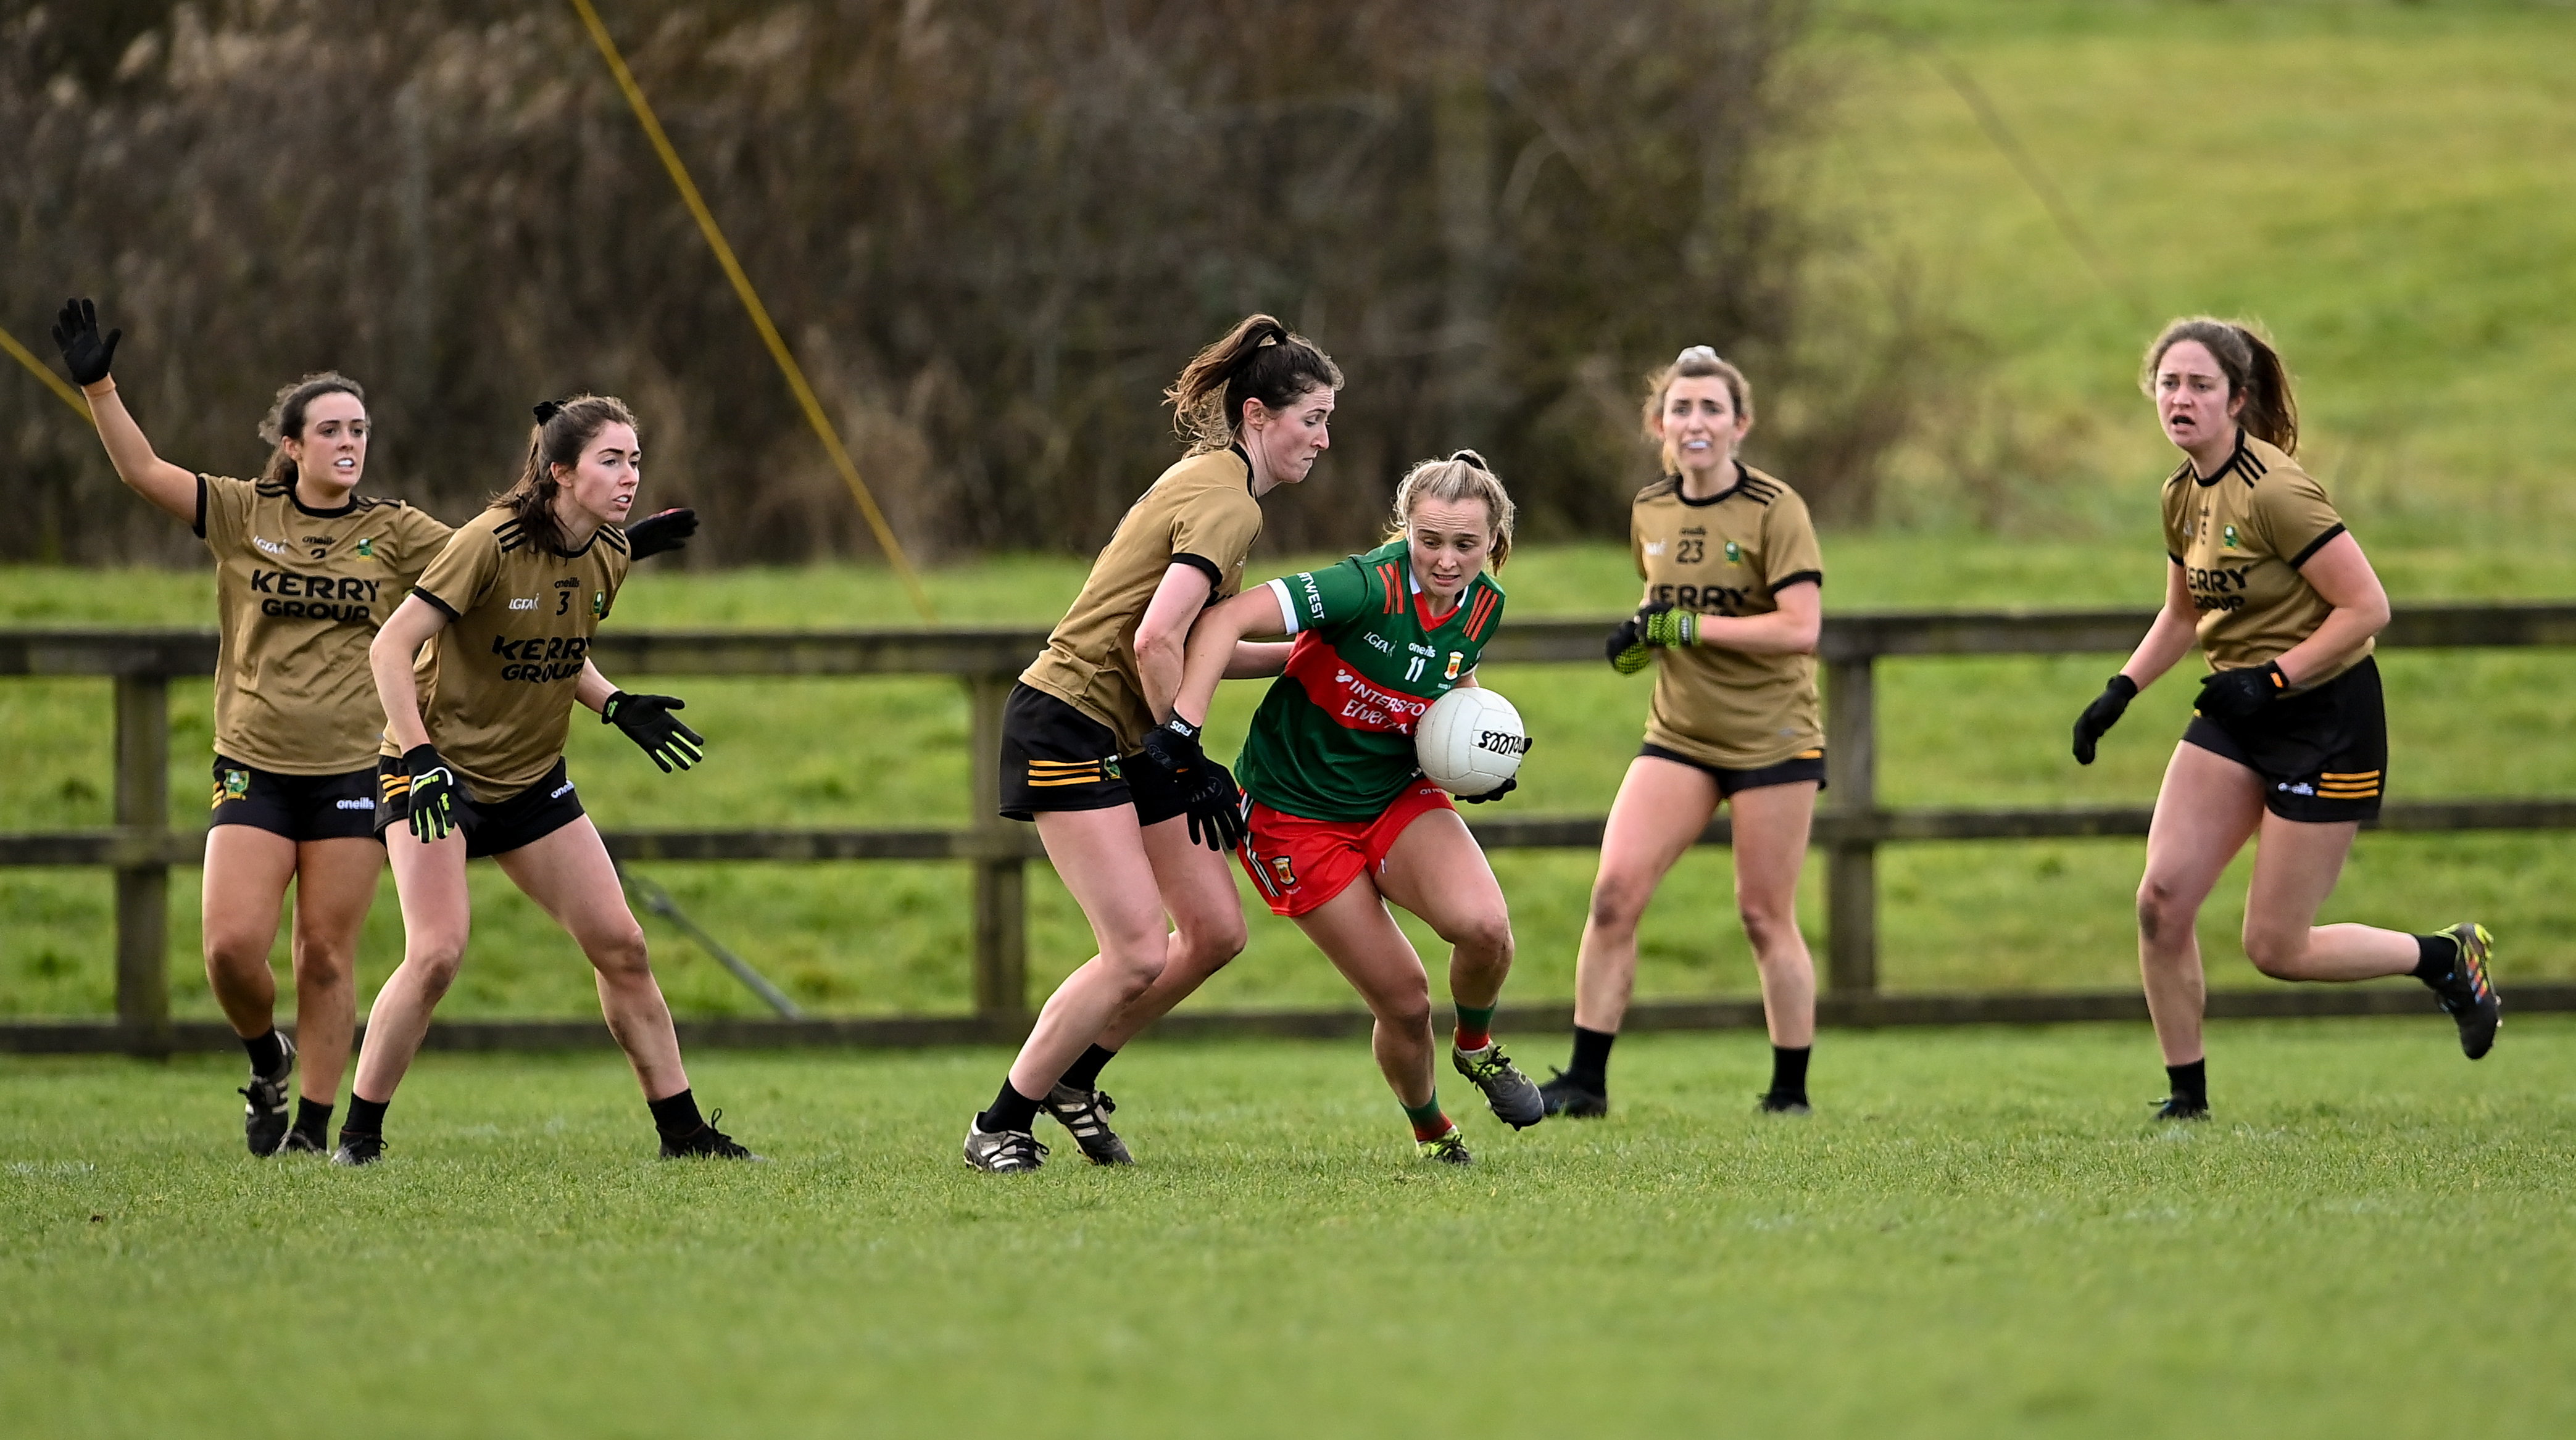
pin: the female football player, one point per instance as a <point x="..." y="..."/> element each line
<point x="1733" y="605"/>
<point x="305" y="570"/>
<point x="1124" y="830"/>
<point x="1341" y="820"/>
<point x="478" y="671"/>
<point x="2288" y="743"/>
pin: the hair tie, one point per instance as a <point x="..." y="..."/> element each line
<point x="1472" y="458"/>
<point x="548" y="410"/>
<point x="1707" y="353"/>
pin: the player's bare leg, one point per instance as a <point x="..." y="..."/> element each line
<point x="2207" y="809"/>
<point x="1436" y="870"/>
<point x="1356" y="933"/>
<point x="1662" y="808"/>
<point x="1770" y="845"/>
<point x="247" y="872"/>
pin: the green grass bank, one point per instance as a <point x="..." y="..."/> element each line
<point x="1978" y="1234"/>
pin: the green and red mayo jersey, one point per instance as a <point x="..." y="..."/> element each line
<point x="1333" y="739"/>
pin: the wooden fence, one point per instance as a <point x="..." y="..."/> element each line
<point x="1849" y="828"/>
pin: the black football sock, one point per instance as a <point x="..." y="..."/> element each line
<point x="267" y="1052"/>
<point x="366" y="1117"/>
<point x="312" y="1119"/>
<point x="2436" y="956"/>
<point x="1591" y="1064"/>
<point x="676" y="1116"/>
<point x="1011" y="1111"/>
<point x="1789" y="1072"/>
<point x="1085" y="1074"/>
<point x="2189" y="1082"/>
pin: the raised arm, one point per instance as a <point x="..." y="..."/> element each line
<point x="88" y="358"/>
<point x="397" y="645"/>
<point x="1214" y="643"/>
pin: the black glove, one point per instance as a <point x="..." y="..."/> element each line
<point x="1173" y="748"/>
<point x="1627" y="648"/>
<point x="84" y="354"/>
<point x="2101" y="715"/>
<point x="2235" y="694"/>
<point x="1497" y="793"/>
<point x="1215" y="807"/>
<point x="432" y="796"/>
<point x="647" y="721"/>
<point x="668" y="530"/>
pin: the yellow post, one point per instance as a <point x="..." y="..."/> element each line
<point x="750" y="298"/>
<point x="41" y="371"/>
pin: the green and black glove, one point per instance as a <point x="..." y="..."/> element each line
<point x="1669" y="628"/>
<point x="432" y="797"/>
<point x="647" y="721"/>
<point x="84" y="354"/>
<point x="656" y="533"/>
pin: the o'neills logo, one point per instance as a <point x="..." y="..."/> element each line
<point x="1347" y="695"/>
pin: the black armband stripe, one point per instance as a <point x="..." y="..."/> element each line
<point x="2317" y="544"/>
<point x="1799" y="577"/>
<point x="1203" y="565"/>
<point x="448" y="609"/>
<point x="201" y="507"/>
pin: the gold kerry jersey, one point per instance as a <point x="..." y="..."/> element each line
<point x="1200" y="513"/>
<point x="2241" y="536"/>
<point x="1730" y="554"/>
<point x="299" y="594"/>
<point x="496" y="686"/>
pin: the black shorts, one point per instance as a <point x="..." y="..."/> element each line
<point x="496" y="828"/>
<point x="299" y="807"/>
<point x="1793" y="771"/>
<point x="1054" y="757"/>
<point x="2322" y="753"/>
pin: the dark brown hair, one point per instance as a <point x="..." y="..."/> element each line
<point x="1259" y="359"/>
<point x="2253" y="368"/>
<point x="563" y="430"/>
<point x="1463" y="476"/>
<point x="286" y="417"/>
<point x="1693" y="363"/>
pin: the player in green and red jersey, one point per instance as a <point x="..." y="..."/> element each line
<point x="1341" y="819"/>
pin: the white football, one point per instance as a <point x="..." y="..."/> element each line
<point x="1470" y="741"/>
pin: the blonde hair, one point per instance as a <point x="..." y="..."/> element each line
<point x="1463" y="476"/>
<point x="1691" y="364"/>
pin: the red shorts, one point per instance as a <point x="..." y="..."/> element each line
<point x="1300" y="863"/>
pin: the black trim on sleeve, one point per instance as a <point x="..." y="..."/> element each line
<point x="1799" y="577"/>
<point x="434" y="600"/>
<point x="2317" y="544"/>
<point x="201" y="507"/>
<point x="2173" y="557"/>
<point x="1203" y="565"/>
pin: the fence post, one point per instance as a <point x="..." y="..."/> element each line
<point x="1001" y="892"/>
<point x="143" y="884"/>
<point x="1851" y="866"/>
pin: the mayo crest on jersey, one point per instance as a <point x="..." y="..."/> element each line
<point x="1333" y="740"/>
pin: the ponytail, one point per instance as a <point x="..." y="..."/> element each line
<point x="285" y="420"/>
<point x="1259" y="359"/>
<point x="1463" y="476"/>
<point x="2254" y="371"/>
<point x="563" y="430"/>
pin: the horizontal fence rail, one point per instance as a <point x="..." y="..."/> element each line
<point x="1850" y="827"/>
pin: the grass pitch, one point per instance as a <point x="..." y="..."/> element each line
<point x="1979" y="1234"/>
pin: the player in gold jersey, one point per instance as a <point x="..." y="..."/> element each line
<point x="306" y="569"/>
<point x="1732" y="608"/>
<point x="478" y="672"/>
<point x="2288" y="743"/>
<point x="1091" y="750"/>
